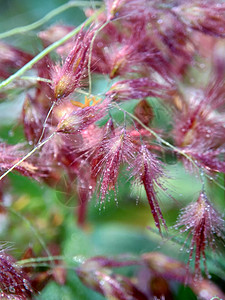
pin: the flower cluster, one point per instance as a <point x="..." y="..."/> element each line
<point x="204" y="224"/>
<point x="14" y="283"/>
<point x="145" y="49"/>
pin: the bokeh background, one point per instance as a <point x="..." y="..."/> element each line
<point x="41" y="217"/>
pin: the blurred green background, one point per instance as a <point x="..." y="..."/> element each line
<point x="41" y="215"/>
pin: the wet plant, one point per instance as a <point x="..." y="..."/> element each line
<point x="150" y="57"/>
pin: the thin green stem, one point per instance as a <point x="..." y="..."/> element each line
<point x="27" y="155"/>
<point x="76" y="259"/>
<point x="161" y="140"/>
<point x="46" y="18"/>
<point x="25" y="82"/>
<point x="50" y="48"/>
<point x="45" y="122"/>
<point x="33" y="78"/>
<point x="34" y="231"/>
<point x="47" y="265"/>
<point x="39" y="259"/>
<point x="79" y="91"/>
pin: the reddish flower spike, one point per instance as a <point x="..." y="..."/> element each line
<point x="147" y="170"/>
<point x="96" y="274"/>
<point x="14" y="283"/>
<point x="83" y="117"/>
<point x="115" y="149"/>
<point x="206" y="17"/>
<point x="67" y="78"/>
<point x="11" y="58"/>
<point x="125" y="8"/>
<point x="203" y="223"/>
<point x="11" y="154"/>
<point x="140" y="88"/>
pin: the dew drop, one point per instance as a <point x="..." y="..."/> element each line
<point x="26" y="284"/>
<point x="12" y="289"/>
<point x="10" y="133"/>
<point x="137" y="201"/>
<point x="202" y="66"/>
